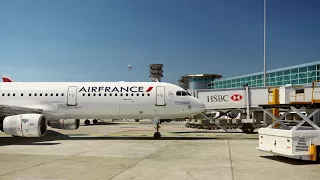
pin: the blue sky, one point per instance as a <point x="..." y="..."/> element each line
<point x="78" y="40"/>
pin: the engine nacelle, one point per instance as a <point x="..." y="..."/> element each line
<point x="25" y="125"/>
<point x="65" y="124"/>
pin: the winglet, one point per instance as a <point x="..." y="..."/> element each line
<point x="6" y="78"/>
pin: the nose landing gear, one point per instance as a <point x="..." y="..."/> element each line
<point x="157" y="135"/>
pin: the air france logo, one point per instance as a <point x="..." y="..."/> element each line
<point x="115" y="89"/>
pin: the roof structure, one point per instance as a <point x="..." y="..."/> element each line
<point x="273" y="70"/>
<point x="185" y="78"/>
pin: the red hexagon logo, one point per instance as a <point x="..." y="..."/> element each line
<point x="236" y="97"/>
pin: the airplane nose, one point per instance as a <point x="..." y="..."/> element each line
<point x="199" y="107"/>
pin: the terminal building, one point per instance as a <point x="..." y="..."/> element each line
<point x="298" y="74"/>
<point x="197" y="81"/>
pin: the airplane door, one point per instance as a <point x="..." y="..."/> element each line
<point x="160" y="100"/>
<point x="72" y="96"/>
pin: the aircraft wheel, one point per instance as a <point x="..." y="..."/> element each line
<point x="157" y="135"/>
<point x="95" y="121"/>
<point x="87" y="122"/>
<point x="137" y="120"/>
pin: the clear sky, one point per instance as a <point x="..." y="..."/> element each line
<point x="95" y="40"/>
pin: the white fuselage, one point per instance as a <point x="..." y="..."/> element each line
<point x="116" y="100"/>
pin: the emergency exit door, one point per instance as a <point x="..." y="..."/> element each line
<point x="72" y="96"/>
<point x="160" y="100"/>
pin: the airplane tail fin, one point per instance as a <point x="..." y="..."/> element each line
<point x="6" y="78"/>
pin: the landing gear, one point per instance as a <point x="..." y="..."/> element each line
<point x="87" y="122"/>
<point x="95" y="121"/>
<point x="157" y="135"/>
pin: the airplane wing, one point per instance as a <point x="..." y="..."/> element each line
<point x="9" y="109"/>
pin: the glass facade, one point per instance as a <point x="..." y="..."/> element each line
<point x="302" y="74"/>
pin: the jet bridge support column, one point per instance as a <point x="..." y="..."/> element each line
<point x="275" y="100"/>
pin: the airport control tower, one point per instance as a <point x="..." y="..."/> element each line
<point x="156" y="72"/>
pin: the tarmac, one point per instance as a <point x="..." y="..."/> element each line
<point x="126" y="150"/>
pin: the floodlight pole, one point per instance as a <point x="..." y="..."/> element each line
<point x="265" y="120"/>
<point x="264" y="45"/>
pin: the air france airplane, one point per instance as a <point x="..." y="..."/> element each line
<point x="27" y="108"/>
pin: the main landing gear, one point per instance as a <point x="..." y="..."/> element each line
<point x="87" y="121"/>
<point x="157" y="135"/>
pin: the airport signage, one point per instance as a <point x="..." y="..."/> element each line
<point x="224" y="98"/>
<point x="236" y="97"/>
<point x="115" y="89"/>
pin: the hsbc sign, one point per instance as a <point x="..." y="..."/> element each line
<point x="236" y="97"/>
<point x="224" y="98"/>
<point x="218" y="98"/>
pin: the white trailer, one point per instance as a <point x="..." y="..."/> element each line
<point x="299" y="139"/>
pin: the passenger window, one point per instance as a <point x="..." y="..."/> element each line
<point x="40" y="94"/>
<point x="21" y="94"/>
<point x="2" y="94"/>
<point x="14" y="94"/>
<point x="105" y="94"/>
<point x="8" y="94"/>
<point x="116" y="94"/>
<point x="46" y="94"/>
<point x="94" y="94"/>
<point x="88" y="94"/>
<point x="137" y="94"/>
<point x="51" y="94"/>
<point x="148" y="94"/>
<point x="121" y="94"/>
<point x="35" y="94"/>
<point x="83" y="94"/>
<point x="62" y="94"/>
<point x="127" y="94"/>
<point x="110" y="94"/>
<point x="29" y="94"/>
<point x="99" y="94"/>
<point x="57" y="94"/>
<point x="131" y="94"/>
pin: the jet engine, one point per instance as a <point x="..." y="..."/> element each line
<point x="65" y="124"/>
<point x="25" y="125"/>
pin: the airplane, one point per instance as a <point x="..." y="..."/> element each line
<point x="28" y="108"/>
<point x="7" y="78"/>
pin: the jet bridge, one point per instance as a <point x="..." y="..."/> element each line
<point x="242" y="104"/>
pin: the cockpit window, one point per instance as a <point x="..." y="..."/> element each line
<point x="183" y="93"/>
